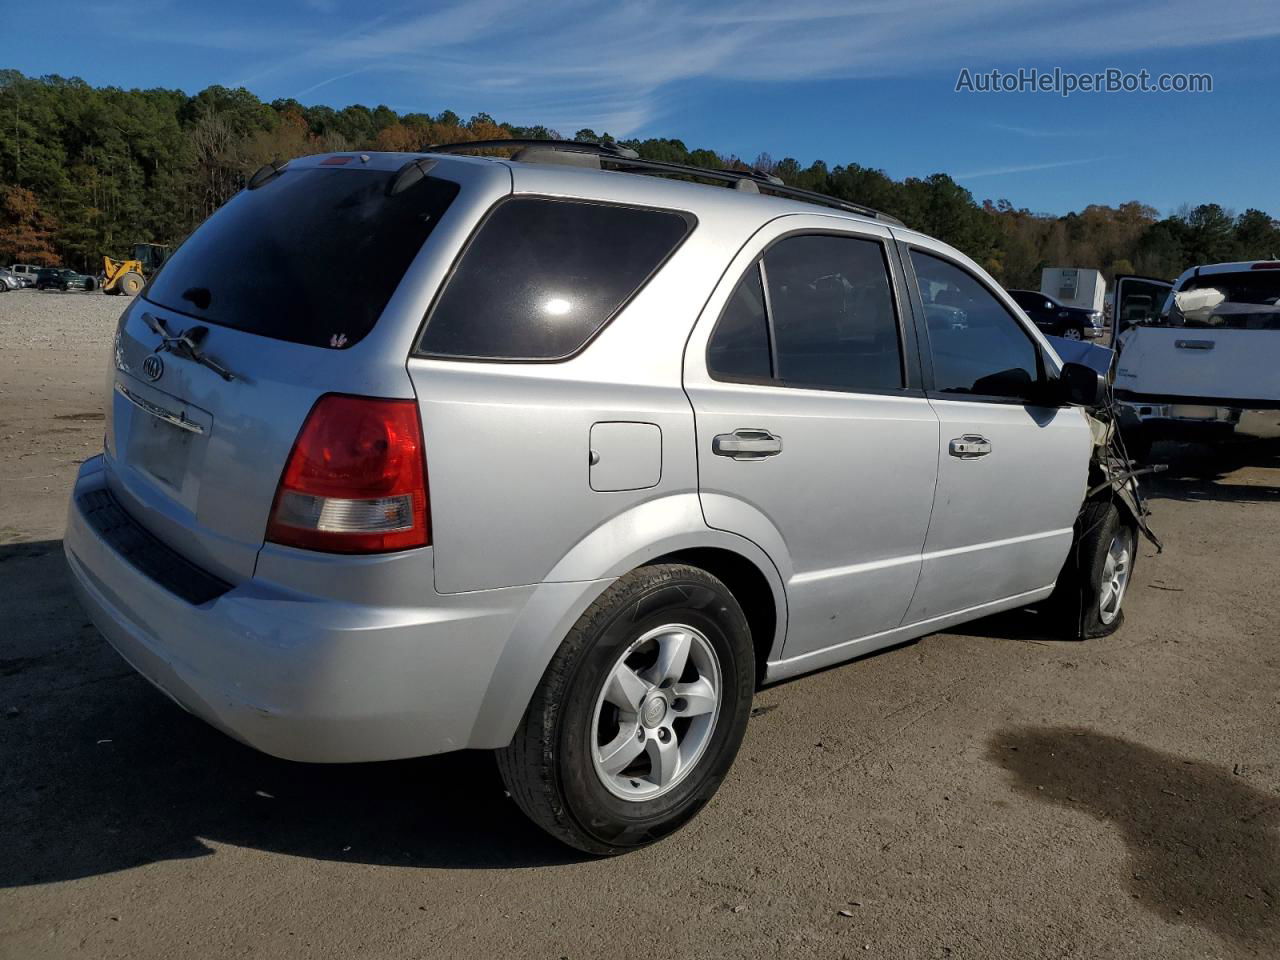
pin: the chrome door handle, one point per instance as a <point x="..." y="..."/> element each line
<point x="970" y="446"/>
<point x="747" y="444"/>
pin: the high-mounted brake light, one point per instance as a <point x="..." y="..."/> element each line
<point x="1267" y="265"/>
<point x="356" y="481"/>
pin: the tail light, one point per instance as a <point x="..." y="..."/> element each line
<point x="356" y="481"/>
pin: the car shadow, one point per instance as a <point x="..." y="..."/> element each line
<point x="1026" y="624"/>
<point x="1202" y="846"/>
<point x="1197" y="472"/>
<point x="101" y="772"/>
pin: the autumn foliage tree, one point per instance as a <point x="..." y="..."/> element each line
<point x="27" y="232"/>
<point x="87" y="171"/>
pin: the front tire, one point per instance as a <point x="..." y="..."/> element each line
<point x="639" y="715"/>
<point x="1094" y="582"/>
<point x="1073" y="333"/>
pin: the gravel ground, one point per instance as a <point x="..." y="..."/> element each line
<point x="977" y="794"/>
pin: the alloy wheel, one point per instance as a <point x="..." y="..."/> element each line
<point x="656" y="713"/>
<point x="1115" y="575"/>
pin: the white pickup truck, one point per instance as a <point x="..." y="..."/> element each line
<point x="1199" y="358"/>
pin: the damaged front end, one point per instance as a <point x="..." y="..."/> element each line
<point x="1112" y="472"/>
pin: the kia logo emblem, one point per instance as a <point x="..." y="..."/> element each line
<point x="153" y="367"/>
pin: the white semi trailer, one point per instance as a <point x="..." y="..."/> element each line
<point x="1074" y="287"/>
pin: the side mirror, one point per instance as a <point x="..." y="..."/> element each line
<point x="1082" y="386"/>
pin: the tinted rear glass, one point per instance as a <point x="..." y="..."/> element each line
<point x="739" y="347"/>
<point x="311" y="256"/>
<point x="833" y="317"/>
<point x="542" y="276"/>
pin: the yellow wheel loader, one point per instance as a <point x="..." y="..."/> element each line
<point x="128" y="276"/>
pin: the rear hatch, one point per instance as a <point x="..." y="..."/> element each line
<point x="292" y="290"/>
<point x="1217" y="338"/>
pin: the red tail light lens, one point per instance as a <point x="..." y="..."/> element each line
<point x="356" y="481"/>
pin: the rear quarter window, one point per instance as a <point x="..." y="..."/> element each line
<point x="542" y="276"/>
<point x="311" y="256"/>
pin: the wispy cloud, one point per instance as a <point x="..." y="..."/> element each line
<point x="1034" y="132"/>
<point x="328" y="80"/>
<point x="618" y="66"/>
<point x="1028" y="168"/>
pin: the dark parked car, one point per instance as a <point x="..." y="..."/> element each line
<point x="1056" y="319"/>
<point x="61" y="278"/>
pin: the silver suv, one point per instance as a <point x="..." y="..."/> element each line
<point x="585" y="455"/>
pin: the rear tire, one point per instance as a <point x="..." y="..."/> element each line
<point x="1095" y="579"/>
<point x="627" y="737"/>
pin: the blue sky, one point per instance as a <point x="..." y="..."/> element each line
<point x="870" y="81"/>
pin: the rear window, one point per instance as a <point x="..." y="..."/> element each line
<point x="311" y="256"/>
<point x="1233" y="301"/>
<point x="541" y="277"/>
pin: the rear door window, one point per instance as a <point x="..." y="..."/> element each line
<point x="828" y="321"/>
<point x="834" y="324"/>
<point x="312" y="256"/>
<point x="542" y="276"/>
<point x="739" y="348"/>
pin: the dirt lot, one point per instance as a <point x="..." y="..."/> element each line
<point x="970" y="795"/>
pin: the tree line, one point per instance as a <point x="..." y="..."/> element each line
<point x="87" y="171"/>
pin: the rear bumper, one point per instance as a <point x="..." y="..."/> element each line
<point x="298" y="676"/>
<point x="1207" y="420"/>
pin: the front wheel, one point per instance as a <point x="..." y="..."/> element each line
<point x="639" y="715"/>
<point x="1073" y="333"/>
<point x="1091" y="589"/>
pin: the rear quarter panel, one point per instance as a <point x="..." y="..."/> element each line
<point x="508" y="444"/>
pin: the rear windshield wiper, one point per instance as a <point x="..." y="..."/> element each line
<point x="186" y="345"/>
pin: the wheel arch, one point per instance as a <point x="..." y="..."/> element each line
<point x="627" y="542"/>
<point x="750" y="587"/>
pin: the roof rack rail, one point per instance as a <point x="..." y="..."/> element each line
<point x="568" y="146"/>
<point x="754" y="174"/>
<point x="765" y="182"/>
<point x="625" y="159"/>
